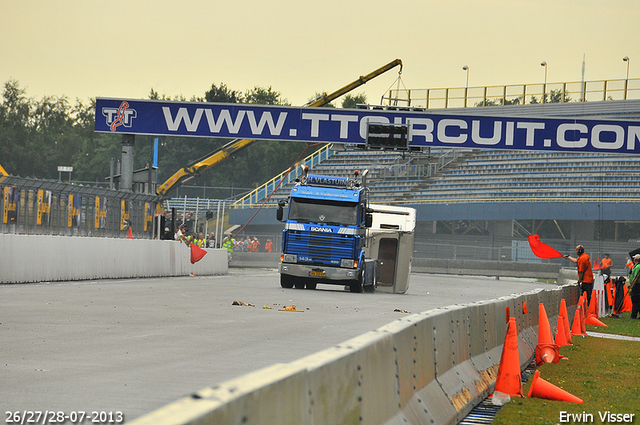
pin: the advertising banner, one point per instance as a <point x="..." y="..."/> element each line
<point x="11" y="200"/>
<point x="350" y="126"/>
<point x="44" y="207"/>
<point x="74" y="211"/>
<point x="125" y="221"/>
<point x="100" y="215"/>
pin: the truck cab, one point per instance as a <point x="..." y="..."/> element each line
<point x="325" y="234"/>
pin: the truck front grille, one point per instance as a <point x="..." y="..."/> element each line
<point x="319" y="247"/>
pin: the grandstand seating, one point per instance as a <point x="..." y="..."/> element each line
<point x="516" y="174"/>
<point x="492" y="175"/>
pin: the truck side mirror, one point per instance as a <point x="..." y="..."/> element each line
<point x="280" y="211"/>
<point x="368" y="220"/>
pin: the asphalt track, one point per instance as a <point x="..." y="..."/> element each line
<point x="136" y="345"/>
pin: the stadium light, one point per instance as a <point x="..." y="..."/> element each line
<point x="466" y="87"/>
<point x="626" y="82"/>
<point x="544" y="86"/>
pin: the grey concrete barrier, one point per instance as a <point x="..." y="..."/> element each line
<point x="485" y="268"/>
<point x="436" y="265"/>
<point x="254" y="259"/>
<point x="44" y="258"/>
<point x="427" y="368"/>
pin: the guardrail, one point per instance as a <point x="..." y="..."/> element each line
<point x="518" y="94"/>
<point x="428" y="368"/>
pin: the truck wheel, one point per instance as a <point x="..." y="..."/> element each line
<point x="358" y="284"/>
<point x="299" y="282"/>
<point x="286" y="281"/>
<point x="311" y="285"/>
<point x="355" y="286"/>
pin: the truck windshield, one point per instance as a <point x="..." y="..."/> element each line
<point x="321" y="211"/>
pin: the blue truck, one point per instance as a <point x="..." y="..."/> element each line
<point x="325" y="233"/>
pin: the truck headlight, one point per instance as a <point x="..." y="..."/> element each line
<point x="289" y="258"/>
<point x="347" y="263"/>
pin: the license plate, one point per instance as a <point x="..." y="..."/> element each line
<point x="318" y="274"/>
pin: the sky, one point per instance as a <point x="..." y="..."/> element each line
<point x="84" y="49"/>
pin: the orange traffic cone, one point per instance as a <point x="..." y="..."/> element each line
<point x="561" y="338"/>
<point x="593" y="306"/>
<point x="543" y="389"/>
<point x="583" y="315"/>
<point x="567" y="327"/>
<point x="593" y="320"/>
<point x="576" y="328"/>
<point x="509" y="380"/>
<point x="546" y="350"/>
<point x="130" y="233"/>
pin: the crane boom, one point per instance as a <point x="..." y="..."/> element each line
<point x="3" y="173"/>
<point x="225" y="151"/>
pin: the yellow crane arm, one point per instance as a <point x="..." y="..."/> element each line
<point x="215" y="157"/>
<point x="224" y="152"/>
<point x="326" y="98"/>
<point x="3" y="173"/>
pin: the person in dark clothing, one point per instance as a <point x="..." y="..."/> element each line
<point x="634" y="288"/>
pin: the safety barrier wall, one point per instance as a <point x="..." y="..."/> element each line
<point x="438" y="265"/>
<point x="40" y="258"/>
<point x="427" y="368"/>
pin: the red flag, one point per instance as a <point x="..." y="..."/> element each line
<point x="197" y="253"/>
<point x="596" y="265"/>
<point x="540" y="249"/>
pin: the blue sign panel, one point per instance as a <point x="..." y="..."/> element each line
<point x="230" y="120"/>
<point x="318" y="180"/>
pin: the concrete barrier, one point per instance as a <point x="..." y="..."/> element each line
<point x="434" y="265"/>
<point x="486" y="268"/>
<point x="40" y="258"/>
<point x="427" y="368"/>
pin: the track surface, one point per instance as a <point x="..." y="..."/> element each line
<point x="136" y="345"/>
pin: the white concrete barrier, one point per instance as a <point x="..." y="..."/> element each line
<point x="427" y="368"/>
<point x="40" y="258"/>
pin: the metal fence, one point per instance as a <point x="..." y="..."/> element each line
<point x="45" y="207"/>
<point x="518" y="94"/>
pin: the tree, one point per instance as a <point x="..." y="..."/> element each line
<point x="222" y="94"/>
<point x="556" y="96"/>
<point x="264" y="96"/>
<point x="15" y="128"/>
<point x="352" y="102"/>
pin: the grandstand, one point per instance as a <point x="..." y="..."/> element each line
<point x="455" y="175"/>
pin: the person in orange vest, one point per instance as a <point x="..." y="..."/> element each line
<point x="255" y="245"/>
<point x="585" y="274"/>
<point x="268" y="246"/>
<point x="606" y="265"/>
<point x="629" y="265"/>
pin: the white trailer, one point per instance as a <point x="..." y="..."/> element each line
<point x="390" y="242"/>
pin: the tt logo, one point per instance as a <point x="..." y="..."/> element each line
<point x="122" y="115"/>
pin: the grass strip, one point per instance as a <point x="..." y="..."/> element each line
<point x="603" y="372"/>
